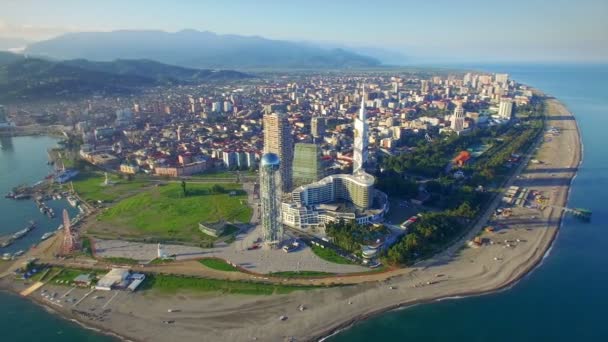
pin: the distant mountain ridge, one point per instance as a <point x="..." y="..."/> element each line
<point x="24" y="78"/>
<point x="196" y="49"/>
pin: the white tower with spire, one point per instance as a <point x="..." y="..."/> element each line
<point x="160" y="252"/>
<point x="458" y="119"/>
<point x="361" y="138"/>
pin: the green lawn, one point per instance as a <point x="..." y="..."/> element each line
<point x="164" y="213"/>
<point x="301" y="274"/>
<point x="67" y="275"/>
<point x="173" y="284"/>
<point x="330" y="255"/>
<point x="223" y="174"/>
<point x="89" y="185"/>
<point x="218" y="264"/>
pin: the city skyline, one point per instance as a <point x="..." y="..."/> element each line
<point x="475" y="31"/>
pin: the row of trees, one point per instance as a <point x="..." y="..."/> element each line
<point x="430" y="232"/>
<point x="349" y="235"/>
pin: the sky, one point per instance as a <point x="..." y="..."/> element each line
<point x="458" y="30"/>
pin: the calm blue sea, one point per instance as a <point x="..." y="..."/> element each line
<point x="565" y="299"/>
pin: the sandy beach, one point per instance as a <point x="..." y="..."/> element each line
<point x="457" y="271"/>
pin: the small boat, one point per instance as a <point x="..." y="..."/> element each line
<point x="7" y="243"/>
<point x="7" y="256"/>
<point x="23" y="232"/>
<point x="47" y="235"/>
<point x="19" y="253"/>
<point x="73" y="201"/>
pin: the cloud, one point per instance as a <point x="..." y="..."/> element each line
<point x="31" y="32"/>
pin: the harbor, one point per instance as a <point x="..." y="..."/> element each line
<point x="30" y="194"/>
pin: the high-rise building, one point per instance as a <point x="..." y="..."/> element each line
<point x="251" y="162"/>
<point x="230" y="158"/>
<point x="502" y="78"/>
<point x="278" y="140"/>
<point x="216" y="107"/>
<point x="424" y="86"/>
<point x="124" y="117"/>
<point x="242" y="160"/>
<point x="467" y="78"/>
<point x="458" y="119"/>
<point x="307" y="166"/>
<point x="317" y="127"/>
<point x="3" y="115"/>
<point x="227" y="106"/>
<point x="505" y="109"/>
<point x="361" y="138"/>
<point x="270" y="199"/>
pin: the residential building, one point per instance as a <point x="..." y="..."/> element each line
<point x="505" y="109"/>
<point x="230" y="159"/>
<point x="307" y="165"/>
<point x="317" y="127"/>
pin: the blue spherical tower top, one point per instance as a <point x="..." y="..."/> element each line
<point x="270" y="159"/>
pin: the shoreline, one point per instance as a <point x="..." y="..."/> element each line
<point x="506" y="286"/>
<point x="538" y="262"/>
<point x="65" y="316"/>
<point x="513" y="276"/>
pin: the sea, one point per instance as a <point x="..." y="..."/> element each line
<point x="566" y="297"/>
<point x="563" y="299"/>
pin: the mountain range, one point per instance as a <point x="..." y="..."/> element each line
<point x="24" y="78"/>
<point x="197" y="49"/>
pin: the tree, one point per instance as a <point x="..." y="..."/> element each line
<point x="184" y="188"/>
<point x="217" y="189"/>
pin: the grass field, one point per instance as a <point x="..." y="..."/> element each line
<point x="218" y="264"/>
<point x="173" y="284"/>
<point x="65" y="276"/>
<point x="164" y="213"/>
<point x="89" y="186"/>
<point x="223" y="174"/>
<point x="330" y="255"/>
